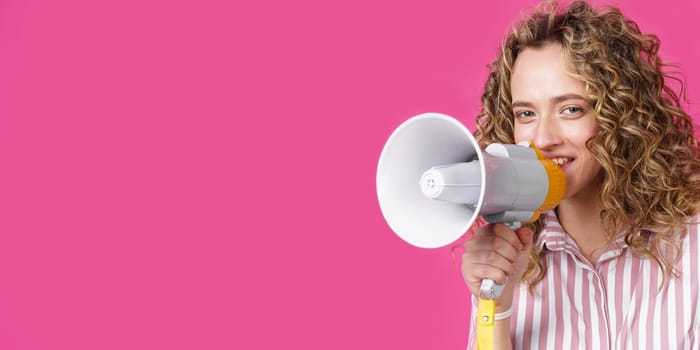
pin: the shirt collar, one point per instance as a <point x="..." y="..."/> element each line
<point x="553" y="238"/>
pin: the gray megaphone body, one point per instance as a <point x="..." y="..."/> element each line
<point x="433" y="181"/>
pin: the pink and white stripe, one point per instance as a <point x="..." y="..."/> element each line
<point x="616" y="304"/>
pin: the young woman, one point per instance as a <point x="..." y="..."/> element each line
<point x="616" y="264"/>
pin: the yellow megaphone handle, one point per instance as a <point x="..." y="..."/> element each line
<point x="485" y="314"/>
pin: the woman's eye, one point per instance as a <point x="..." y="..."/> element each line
<point x="572" y="110"/>
<point x="524" y="114"/>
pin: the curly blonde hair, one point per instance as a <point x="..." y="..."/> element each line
<point x="645" y="144"/>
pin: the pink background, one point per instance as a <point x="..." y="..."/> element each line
<point x="200" y="174"/>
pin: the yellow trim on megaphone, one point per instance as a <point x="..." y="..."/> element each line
<point x="557" y="182"/>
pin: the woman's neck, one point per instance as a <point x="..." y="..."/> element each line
<point x="579" y="215"/>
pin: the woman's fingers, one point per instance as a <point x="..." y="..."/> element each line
<point x="497" y="238"/>
<point x="493" y="252"/>
<point x="475" y="272"/>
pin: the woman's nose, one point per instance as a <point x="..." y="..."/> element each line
<point x="547" y="133"/>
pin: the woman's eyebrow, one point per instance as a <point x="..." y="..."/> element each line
<point x="566" y="97"/>
<point x="521" y="104"/>
<point x="555" y="99"/>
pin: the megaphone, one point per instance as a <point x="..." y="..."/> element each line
<point x="433" y="182"/>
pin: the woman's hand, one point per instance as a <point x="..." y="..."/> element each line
<point x="499" y="253"/>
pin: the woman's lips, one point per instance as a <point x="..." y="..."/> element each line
<point x="562" y="162"/>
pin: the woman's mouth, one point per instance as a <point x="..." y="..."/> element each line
<point x="561" y="161"/>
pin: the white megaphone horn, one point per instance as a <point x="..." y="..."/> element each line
<point x="433" y="181"/>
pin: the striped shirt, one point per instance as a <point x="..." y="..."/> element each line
<point x="614" y="304"/>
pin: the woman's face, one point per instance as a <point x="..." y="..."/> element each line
<point x="550" y="110"/>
